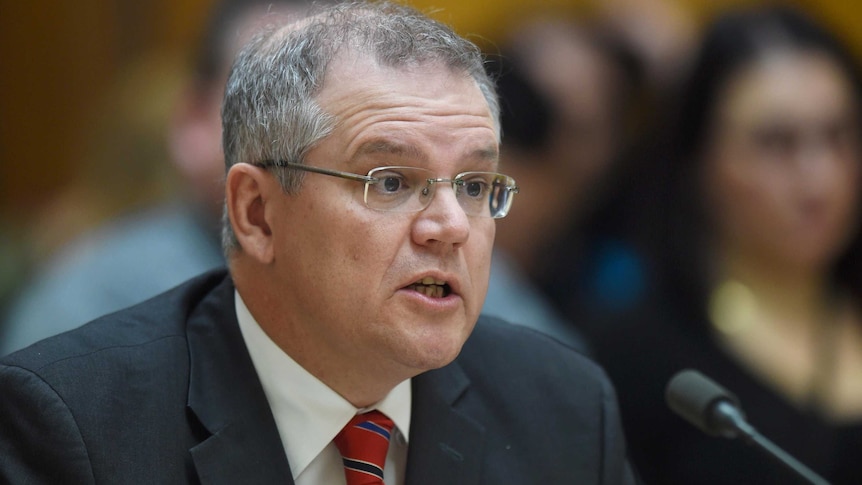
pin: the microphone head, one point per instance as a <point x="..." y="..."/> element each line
<point x="695" y="397"/>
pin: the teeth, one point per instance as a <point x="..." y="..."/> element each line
<point x="431" y="281"/>
<point x="431" y="291"/>
<point x="430" y="287"/>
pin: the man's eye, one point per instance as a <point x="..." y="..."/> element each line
<point x="392" y="183"/>
<point x="475" y="188"/>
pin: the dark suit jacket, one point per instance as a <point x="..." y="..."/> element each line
<point x="165" y="392"/>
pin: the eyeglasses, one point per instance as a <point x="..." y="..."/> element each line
<point x="411" y="189"/>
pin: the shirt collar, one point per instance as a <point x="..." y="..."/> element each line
<point x="308" y="414"/>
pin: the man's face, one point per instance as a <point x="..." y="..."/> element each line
<point x="352" y="277"/>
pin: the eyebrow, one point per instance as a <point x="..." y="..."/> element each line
<point x="489" y="154"/>
<point x="378" y="146"/>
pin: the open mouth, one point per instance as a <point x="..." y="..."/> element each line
<point x="431" y="288"/>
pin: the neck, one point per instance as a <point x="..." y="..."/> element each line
<point x="794" y="333"/>
<point x="357" y="379"/>
<point x="793" y="294"/>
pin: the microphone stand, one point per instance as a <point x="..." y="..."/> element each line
<point x="734" y="424"/>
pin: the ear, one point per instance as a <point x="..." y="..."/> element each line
<point x="248" y="191"/>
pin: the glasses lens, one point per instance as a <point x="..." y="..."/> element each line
<point x="398" y="189"/>
<point x="410" y="189"/>
<point x="485" y="194"/>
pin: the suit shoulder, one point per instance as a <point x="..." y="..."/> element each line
<point x="500" y="334"/>
<point x="502" y="347"/>
<point x="160" y="318"/>
<point x="511" y="369"/>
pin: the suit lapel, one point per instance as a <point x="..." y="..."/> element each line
<point x="446" y="445"/>
<point x="241" y="442"/>
<point x="225" y="395"/>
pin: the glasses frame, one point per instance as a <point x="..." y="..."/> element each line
<point x="368" y="179"/>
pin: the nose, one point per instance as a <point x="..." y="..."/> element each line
<point x="443" y="223"/>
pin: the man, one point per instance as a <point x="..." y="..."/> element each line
<point x="351" y="299"/>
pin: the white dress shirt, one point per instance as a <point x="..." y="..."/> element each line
<point x="309" y="414"/>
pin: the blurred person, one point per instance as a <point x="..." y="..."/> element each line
<point x="662" y="33"/>
<point x="760" y="249"/>
<point x="566" y="92"/>
<point x="138" y="254"/>
<point x="548" y="77"/>
<point x="124" y="147"/>
<point x="361" y="147"/>
<point x="13" y="261"/>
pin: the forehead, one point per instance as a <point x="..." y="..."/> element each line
<point x="788" y="84"/>
<point x="429" y="102"/>
<point x="351" y="73"/>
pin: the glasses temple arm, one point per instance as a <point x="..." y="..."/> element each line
<point x="324" y="171"/>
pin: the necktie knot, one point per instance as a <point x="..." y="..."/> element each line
<point x="363" y="444"/>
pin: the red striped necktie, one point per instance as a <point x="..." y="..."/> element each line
<point x="363" y="444"/>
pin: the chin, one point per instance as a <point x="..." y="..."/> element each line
<point x="434" y="351"/>
<point x="442" y="358"/>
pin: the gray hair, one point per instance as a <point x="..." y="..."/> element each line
<point x="270" y="111"/>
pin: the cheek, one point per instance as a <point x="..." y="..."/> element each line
<point x="847" y="186"/>
<point x="844" y="203"/>
<point x="741" y="199"/>
<point x="479" y="256"/>
<point x="369" y="249"/>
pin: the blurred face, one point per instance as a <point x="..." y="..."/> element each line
<point x="782" y="172"/>
<point x="384" y="290"/>
<point x="561" y="180"/>
<point x="196" y="133"/>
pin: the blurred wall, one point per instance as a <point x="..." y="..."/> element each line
<point x="58" y="58"/>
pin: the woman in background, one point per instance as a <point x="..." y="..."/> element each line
<point x="760" y="252"/>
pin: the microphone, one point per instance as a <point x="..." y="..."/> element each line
<point x="716" y="411"/>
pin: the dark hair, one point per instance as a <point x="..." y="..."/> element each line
<point x="216" y="48"/>
<point x="731" y="43"/>
<point x="527" y="113"/>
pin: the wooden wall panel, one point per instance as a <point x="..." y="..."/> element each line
<point x="56" y="61"/>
